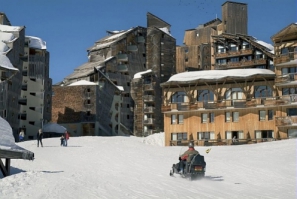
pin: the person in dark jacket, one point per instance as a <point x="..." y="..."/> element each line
<point x="39" y="138"/>
<point x="186" y="158"/>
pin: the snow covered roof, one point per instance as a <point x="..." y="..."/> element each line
<point x="138" y="75"/>
<point x="8" y="145"/>
<point x="6" y="28"/>
<point x="267" y="45"/>
<point x="82" y="82"/>
<point x="117" y="34"/>
<point x="214" y="75"/>
<point x="5" y="63"/>
<point x="36" y="42"/>
<point x="121" y="88"/>
<point x="5" y="37"/>
<point x="166" y="30"/>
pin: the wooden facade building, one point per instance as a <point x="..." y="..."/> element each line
<point x="246" y="94"/>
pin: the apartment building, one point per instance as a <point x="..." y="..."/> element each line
<point x="285" y="60"/>
<point x="112" y="62"/>
<point x="243" y="89"/>
<point x="36" y="90"/>
<point x="31" y="80"/>
<point x="146" y="91"/>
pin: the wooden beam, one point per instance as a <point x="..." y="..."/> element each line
<point x="5" y="169"/>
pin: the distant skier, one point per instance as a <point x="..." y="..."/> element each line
<point x="66" y="138"/>
<point x="62" y="140"/>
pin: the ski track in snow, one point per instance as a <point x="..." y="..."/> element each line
<point x="131" y="167"/>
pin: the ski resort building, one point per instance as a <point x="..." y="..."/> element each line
<point x="25" y="97"/>
<point x="112" y="63"/>
<point x="285" y="47"/>
<point x="237" y="89"/>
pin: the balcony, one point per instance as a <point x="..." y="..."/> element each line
<point x="122" y="68"/>
<point x="122" y="57"/>
<point x="240" y="64"/>
<point x="285" y="58"/>
<point x="286" y="121"/>
<point x="149" y="121"/>
<point x="149" y="86"/>
<point x="285" y="79"/>
<point x="148" y="98"/>
<point x="150" y="109"/>
<point x="132" y="48"/>
<point x="234" y="53"/>
<point x="233" y="103"/>
<point x="140" y="39"/>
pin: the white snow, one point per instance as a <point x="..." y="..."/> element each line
<point x="219" y="74"/>
<point x="5" y="63"/>
<point x="166" y="30"/>
<point x="133" y="167"/>
<point x="138" y="75"/>
<point x="267" y="45"/>
<point x="6" y="28"/>
<point x="36" y="42"/>
<point x="5" y="37"/>
<point x="82" y="82"/>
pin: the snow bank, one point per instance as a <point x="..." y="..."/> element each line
<point x="155" y="139"/>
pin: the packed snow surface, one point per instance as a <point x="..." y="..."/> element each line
<point x="133" y="167"/>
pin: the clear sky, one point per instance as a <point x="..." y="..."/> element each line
<point x="71" y="26"/>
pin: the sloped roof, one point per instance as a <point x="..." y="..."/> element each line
<point x="289" y="32"/>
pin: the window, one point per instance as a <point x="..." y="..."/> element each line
<point x="235" y="116"/>
<point x="211" y="117"/>
<point x="288" y="91"/>
<point x="227" y="117"/>
<point x="180" y="119"/>
<point x="177" y="119"/>
<point x="234" y="93"/>
<point x="206" y="135"/>
<point x="264" y="134"/>
<point x="205" y="96"/>
<point x="270" y="114"/>
<point x="179" y="136"/>
<point x="234" y="59"/>
<point x="263" y="91"/>
<point x="233" y="47"/>
<point x="221" y="61"/>
<point x="204" y="118"/>
<point x="178" y="97"/>
<point x="262" y="115"/>
<point x="173" y="119"/>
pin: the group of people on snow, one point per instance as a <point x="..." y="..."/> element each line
<point x="64" y="138"/>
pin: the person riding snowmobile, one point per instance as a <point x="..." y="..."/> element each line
<point x="186" y="157"/>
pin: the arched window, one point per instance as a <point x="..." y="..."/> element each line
<point x="234" y="93"/>
<point x="205" y="96"/>
<point x="178" y="97"/>
<point x="263" y="91"/>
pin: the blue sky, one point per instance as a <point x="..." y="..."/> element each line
<point x="71" y="26"/>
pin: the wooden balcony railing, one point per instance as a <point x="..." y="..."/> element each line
<point x="235" y="103"/>
<point x="286" y="121"/>
<point x="286" y="78"/>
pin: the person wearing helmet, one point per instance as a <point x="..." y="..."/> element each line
<point x="186" y="157"/>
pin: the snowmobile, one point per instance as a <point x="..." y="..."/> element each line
<point x="195" y="169"/>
